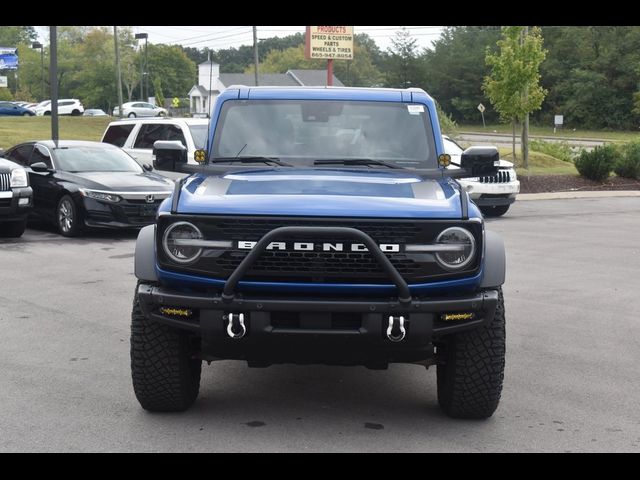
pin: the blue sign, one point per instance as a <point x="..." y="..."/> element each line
<point x="8" y="58"/>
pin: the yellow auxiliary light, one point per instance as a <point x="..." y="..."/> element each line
<point x="200" y="155"/>
<point x="444" y="160"/>
<point x="447" y="317"/>
<point x="176" y="312"/>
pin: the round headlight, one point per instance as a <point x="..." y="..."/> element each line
<point x="176" y="242"/>
<point x="464" y="251"/>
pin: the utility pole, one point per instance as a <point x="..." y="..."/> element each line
<point x="525" y="126"/>
<point x="118" y="75"/>
<point x="255" y="52"/>
<point x="53" y="80"/>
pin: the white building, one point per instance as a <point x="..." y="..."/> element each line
<point x="211" y="82"/>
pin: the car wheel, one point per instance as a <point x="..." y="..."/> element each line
<point x="165" y="365"/>
<point x="26" y="114"/>
<point x="67" y="217"/>
<point x="161" y="114"/>
<point x="75" y="112"/>
<point x="132" y="115"/>
<point x="13" y="229"/>
<point x="494" y="211"/>
<point x="470" y="369"/>
<point x="47" y="114"/>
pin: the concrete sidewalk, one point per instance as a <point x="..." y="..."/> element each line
<point x="577" y="194"/>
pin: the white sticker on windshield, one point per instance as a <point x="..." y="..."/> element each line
<point x="415" y="109"/>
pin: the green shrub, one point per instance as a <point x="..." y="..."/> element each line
<point x="447" y="125"/>
<point x="628" y="164"/>
<point x="559" y="150"/>
<point x="596" y="164"/>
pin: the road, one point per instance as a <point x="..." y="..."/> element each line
<point x="571" y="382"/>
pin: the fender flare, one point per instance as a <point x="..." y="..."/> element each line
<point x="145" y="255"/>
<point x="495" y="261"/>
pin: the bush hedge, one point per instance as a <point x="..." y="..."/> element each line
<point x="628" y="163"/>
<point x="598" y="163"/>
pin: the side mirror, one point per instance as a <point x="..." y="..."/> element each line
<point x="169" y="155"/>
<point x="480" y="161"/>
<point x="39" y="167"/>
<point x="147" y="167"/>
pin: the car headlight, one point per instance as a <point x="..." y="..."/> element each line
<point x="103" y="196"/>
<point x="461" y="256"/>
<point x="19" y="178"/>
<point x="176" y="242"/>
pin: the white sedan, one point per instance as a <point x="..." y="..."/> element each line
<point x="140" y="109"/>
<point x="493" y="194"/>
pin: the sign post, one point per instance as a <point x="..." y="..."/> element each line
<point x="558" y="120"/>
<point x="481" y="108"/>
<point x="334" y="42"/>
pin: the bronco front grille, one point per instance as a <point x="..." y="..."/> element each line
<point x="5" y="182"/>
<point x="319" y="266"/>
<point x="503" y="176"/>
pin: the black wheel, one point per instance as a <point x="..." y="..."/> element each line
<point x="75" y="113"/>
<point x="132" y="115"/>
<point x="13" y="229"/>
<point x="165" y="368"/>
<point x="67" y="218"/>
<point x="47" y="114"/>
<point x="26" y="114"/>
<point x="161" y="114"/>
<point x="494" y="211"/>
<point x="472" y="369"/>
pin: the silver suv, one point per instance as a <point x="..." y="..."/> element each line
<point x="136" y="137"/>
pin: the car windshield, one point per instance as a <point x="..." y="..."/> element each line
<point x="305" y="131"/>
<point x="94" y="159"/>
<point x="199" y="134"/>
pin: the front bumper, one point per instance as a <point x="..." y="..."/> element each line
<point x="477" y="189"/>
<point x="124" y="214"/>
<point x="11" y="206"/>
<point x="332" y="330"/>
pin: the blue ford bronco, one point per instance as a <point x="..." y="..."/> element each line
<point x="320" y="226"/>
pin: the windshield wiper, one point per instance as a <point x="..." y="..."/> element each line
<point x="272" y="160"/>
<point x="355" y="161"/>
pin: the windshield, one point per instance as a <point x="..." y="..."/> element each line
<point x="199" y="134"/>
<point x="95" y="159"/>
<point x="304" y="131"/>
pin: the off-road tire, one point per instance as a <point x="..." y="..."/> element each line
<point x="472" y="369"/>
<point x="497" y="211"/>
<point x="165" y="376"/>
<point x="13" y="229"/>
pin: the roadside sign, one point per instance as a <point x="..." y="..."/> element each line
<point x="558" y="120"/>
<point x="175" y="103"/>
<point x="481" y="108"/>
<point x="335" y="42"/>
<point x="3" y="82"/>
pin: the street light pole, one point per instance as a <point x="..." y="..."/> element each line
<point x="139" y="36"/>
<point x="118" y="75"/>
<point x="41" y="47"/>
<point x="146" y="68"/>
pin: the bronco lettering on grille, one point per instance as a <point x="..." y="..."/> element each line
<point x="325" y="247"/>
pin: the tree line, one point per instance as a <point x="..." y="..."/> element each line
<point x="591" y="74"/>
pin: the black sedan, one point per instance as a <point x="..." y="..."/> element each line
<point x="13" y="109"/>
<point x="89" y="184"/>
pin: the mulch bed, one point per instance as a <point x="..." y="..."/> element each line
<point x="572" y="183"/>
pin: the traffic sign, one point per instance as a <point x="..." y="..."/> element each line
<point x="481" y="108"/>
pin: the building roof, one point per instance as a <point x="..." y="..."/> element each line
<point x="314" y="78"/>
<point x="248" y="79"/>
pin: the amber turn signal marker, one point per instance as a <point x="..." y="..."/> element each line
<point x="176" y="312"/>
<point x="199" y="155"/>
<point x="444" y="160"/>
<point x="457" y="316"/>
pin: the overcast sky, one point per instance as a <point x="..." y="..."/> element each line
<point x="229" y="36"/>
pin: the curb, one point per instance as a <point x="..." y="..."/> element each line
<point x="543" y="137"/>
<point x="577" y="194"/>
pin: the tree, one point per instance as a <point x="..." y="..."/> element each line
<point x="513" y="85"/>
<point x="12" y="36"/>
<point x="403" y="67"/>
<point x="173" y="67"/>
<point x="157" y="88"/>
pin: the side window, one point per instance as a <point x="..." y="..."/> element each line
<point x="20" y="154"/>
<point x="65" y="103"/>
<point x="41" y="154"/>
<point x="152" y="132"/>
<point x="117" y="134"/>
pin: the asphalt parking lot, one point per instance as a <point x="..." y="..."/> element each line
<point x="571" y="381"/>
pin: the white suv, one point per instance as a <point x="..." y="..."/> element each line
<point x="136" y="137"/>
<point x="492" y="194"/>
<point x="66" y="106"/>
<point x="140" y="109"/>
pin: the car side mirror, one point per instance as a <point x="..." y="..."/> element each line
<point x="147" y="167"/>
<point x="39" y="167"/>
<point x="480" y="161"/>
<point x="170" y="155"/>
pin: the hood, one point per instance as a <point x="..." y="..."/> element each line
<point x="122" y="181"/>
<point x="321" y="192"/>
